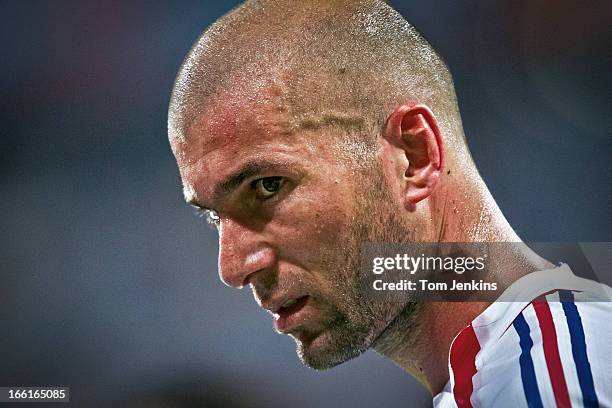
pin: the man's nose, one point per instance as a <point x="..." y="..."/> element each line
<point x="242" y="252"/>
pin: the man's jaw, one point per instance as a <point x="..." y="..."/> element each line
<point x="400" y="329"/>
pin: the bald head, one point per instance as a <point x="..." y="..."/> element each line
<point x="343" y="63"/>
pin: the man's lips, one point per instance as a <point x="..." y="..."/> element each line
<point x="287" y="310"/>
<point x="274" y="304"/>
<point x="291" y="314"/>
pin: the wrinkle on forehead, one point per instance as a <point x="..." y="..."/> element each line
<point x="261" y="110"/>
<point x="235" y="112"/>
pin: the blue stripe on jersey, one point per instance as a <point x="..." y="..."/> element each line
<point x="583" y="367"/>
<point x="530" y="384"/>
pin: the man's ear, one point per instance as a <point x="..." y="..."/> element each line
<point x="413" y="129"/>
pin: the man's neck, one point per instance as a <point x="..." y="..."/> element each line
<point x="419" y="339"/>
<point x="419" y="342"/>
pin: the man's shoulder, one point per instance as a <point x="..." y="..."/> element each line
<point x="554" y="353"/>
<point x="551" y="351"/>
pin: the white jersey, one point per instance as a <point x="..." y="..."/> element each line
<point x="552" y="351"/>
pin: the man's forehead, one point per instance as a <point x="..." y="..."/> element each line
<point x="241" y="117"/>
<point x="233" y="127"/>
<point x="254" y="121"/>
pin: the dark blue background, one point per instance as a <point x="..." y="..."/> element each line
<point x="109" y="281"/>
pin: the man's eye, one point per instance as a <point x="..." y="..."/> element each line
<point x="268" y="186"/>
<point x="211" y="217"/>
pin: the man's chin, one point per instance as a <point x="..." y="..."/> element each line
<point x="327" y="349"/>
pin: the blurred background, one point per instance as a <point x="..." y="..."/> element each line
<point x="109" y="281"/>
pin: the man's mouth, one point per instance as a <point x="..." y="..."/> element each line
<point x="290" y="314"/>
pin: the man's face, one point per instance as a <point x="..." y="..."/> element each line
<point x="292" y="209"/>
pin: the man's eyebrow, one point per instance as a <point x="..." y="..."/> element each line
<point x="228" y="184"/>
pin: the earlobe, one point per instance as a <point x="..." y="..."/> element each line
<point x="414" y="129"/>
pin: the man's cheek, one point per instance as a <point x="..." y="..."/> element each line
<point x="306" y="228"/>
<point x="311" y="243"/>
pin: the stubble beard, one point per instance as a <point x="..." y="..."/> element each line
<point x="358" y="322"/>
